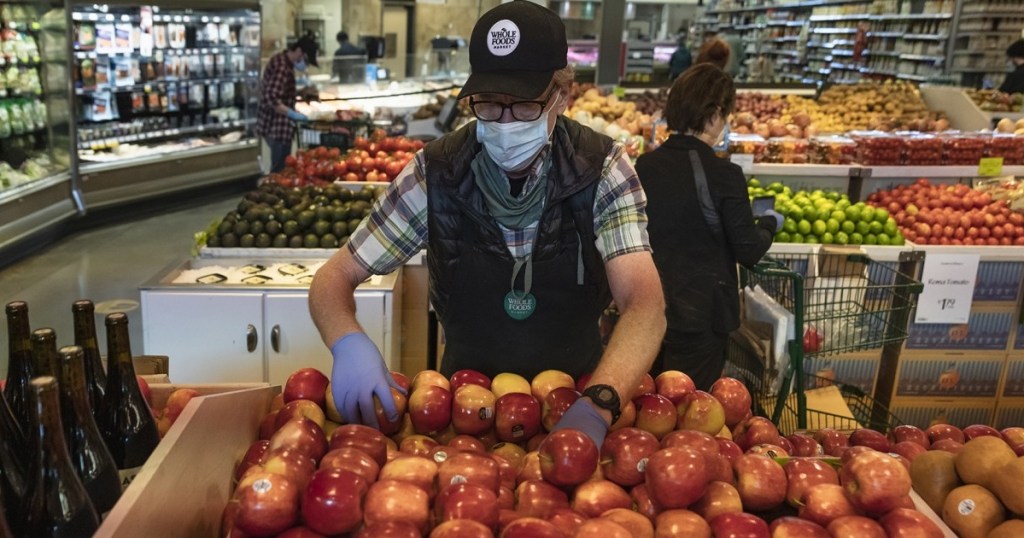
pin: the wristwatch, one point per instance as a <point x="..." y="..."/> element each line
<point x="605" y="397"/>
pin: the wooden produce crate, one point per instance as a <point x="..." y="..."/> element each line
<point x="183" y="487"/>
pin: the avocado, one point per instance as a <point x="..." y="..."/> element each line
<point x="229" y="240"/>
<point x="311" y="241"/>
<point x="280" y="241"/>
<point x="241" y="227"/>
<point x="291" y="227"/>
<point x="324" y="213"/>
<point x="295" y="241"/>
<point x="263" y="240"/>
<point x="321" y="227"/>
<point x="224" y="227"/>
<point x="213" y="241"/>
<point x="247" y="241"/>
<point x="256" y="227"/>
<point x="339" y="228"/>
<point x="344" y="195"/>
<point x="352" y="225"/>
<point x="306" y="219"/>
<point x="329" y="241"/>
<point x="285" y="215"/>
<point x="272" y="227"/>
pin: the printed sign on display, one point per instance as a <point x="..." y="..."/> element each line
<point x="948" y="288"/>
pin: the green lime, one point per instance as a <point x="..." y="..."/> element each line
<point x="803" y="227"/>
<point x="862" y="227"/>
<point x="818" y="227"/>
<point x="776" y="186"/>
<point x="810" y="213"/>
<point x="753" y="182"/>
<point x="848" y="227"/>
<point x="874" y="226"/>
<point x="839" y="216"/>
<point x="796" y="238"/>
<point x="828" y="238"/>
<point x="782" y="237"/>
<point x="852" y="213"/>
<point x="884" y="239"/>
<point x="843" y="204"/>
<point x="832" y="226"/>
<point x="797" y="214"/>
<point x="842" y="238"/>
<point x="870" y="239"/>
<point x="898" y="239"/>
<point x="881" y="214"/>
<point x="789" y="226"/>
<point x="812" y="239"/>
<point x="856" y="239"/>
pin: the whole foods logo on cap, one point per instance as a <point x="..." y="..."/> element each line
<point x="503" y="38"/>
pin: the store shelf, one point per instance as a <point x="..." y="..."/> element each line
<point x="165" y="133"/>
<point x="863" y="17"/>
<point x="833" y="30"/>
<point x="33" y="207"/>
<point x="922" y="58"/>
<point x="27" y="189"/>
<point x="147" y="86"/>
<point x="990" y="14"/>
<point x="788" y="7"/>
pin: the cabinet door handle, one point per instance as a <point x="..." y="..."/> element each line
<point x="251" y="338"/>
<point x="275" y="338"/>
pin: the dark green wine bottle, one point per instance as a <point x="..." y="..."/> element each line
<point x="44" y="353"/>
<point x="19" y="361"/>
<point x="57" y="504"/>
<point x="89" y="454"/>
<point x="13" y="462"/>
<point x="128" y="426"/>
<point x="84" y="314"/>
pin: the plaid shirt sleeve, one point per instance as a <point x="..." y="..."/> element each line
<point x="276" y="87"/>
<point x="397" y="226"/>
<point x="620" y="208"/>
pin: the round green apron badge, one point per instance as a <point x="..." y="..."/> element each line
<point x="520" y="305"/>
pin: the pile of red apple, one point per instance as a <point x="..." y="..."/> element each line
<point x="950" y="215"/>
<point x="472" y="457"/>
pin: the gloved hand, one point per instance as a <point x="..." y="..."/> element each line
<point x="359" y="374"/>
<point x="583" y="416"/>
<point x="296" y="116"/>
<point x="779" y="219"/>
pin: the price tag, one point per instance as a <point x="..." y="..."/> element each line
<point x="744" y="160"/>
<point x="619" y="91"/>
<point x="948" y="288"/>
<point x="990" y="167"/>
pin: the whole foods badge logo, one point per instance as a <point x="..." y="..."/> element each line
<point x="503" y="38"/>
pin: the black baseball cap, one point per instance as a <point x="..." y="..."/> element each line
<point x="1016" y="49"/>
<point x="515" y="49"/>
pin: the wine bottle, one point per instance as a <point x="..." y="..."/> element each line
<point x="57" y="504"/>
<point x="13" y="461"/>
<point x="128" y="426"/>
<point x="44" y="353"/>
<point x="84" y="314"/>
<point x="19" y="361"/>
<point x="5" y="529"/>
<point x="89" y="454"/>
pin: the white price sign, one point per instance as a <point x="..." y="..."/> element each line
<point x="948" y="288"/>
<point x="744" y="160"/>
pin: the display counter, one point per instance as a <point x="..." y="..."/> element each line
<point x="252" y="319"/>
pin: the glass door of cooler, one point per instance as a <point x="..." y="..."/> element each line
<point x="35" y="119"/>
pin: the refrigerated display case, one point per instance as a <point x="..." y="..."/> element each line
<point x="35" y="120"/>
<point x="165" y="95"/>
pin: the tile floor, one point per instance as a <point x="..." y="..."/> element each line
<point x="105" y="264"/>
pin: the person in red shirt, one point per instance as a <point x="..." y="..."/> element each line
<point x="277" y="113"/>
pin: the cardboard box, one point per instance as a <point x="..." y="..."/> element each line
<point x="987" y="329"/>
<point x="186" y="483"/>
<point x="1009" y="413"/>
<point x="1013" y="381"/>
<point x="998" y="281"/>
<point x="857" y="370"/>
<point x="953" y="374"/>
<point x="960" y="412"/>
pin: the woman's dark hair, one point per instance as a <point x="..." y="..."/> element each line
<point x="715" y="51"/>
<point x="697" y="95"/>
<point x="1016" y="49"/>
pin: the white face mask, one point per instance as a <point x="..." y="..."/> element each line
<point x="514" y="145"/>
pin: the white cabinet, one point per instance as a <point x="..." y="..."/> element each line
<point x="213" y="334"/>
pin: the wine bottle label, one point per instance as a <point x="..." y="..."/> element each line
<point x="127" y="475"/>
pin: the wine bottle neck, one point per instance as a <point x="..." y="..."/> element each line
<point x="19" y="333"/>
<point x="46" y="423"/>
<point x="72" y="381"/>
<point x="44" y="351"/>
<point x="119" y="349"/>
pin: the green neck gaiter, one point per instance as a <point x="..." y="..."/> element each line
<point x="512" y="212"/>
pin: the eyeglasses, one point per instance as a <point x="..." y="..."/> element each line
<point x="521" y="110"/>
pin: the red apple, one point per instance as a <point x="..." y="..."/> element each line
<point x="468" y="501"/>
<point x="871" y="439"/>
<point x="906" y="432"/>
<point x="875" y="482"/>
<point x="516" y="417"/>
<point x="804" y="473"/>
<point x="267" y="504"/>
<point x="909" y="523"/>
<point x="176" y="403"/>
<point x="602" y="527"/>
<point x="656" y="414"/>
<point x="461" y="528"/>
<point x="676" y="477"/>
<point x="507" y="382"/>
<point x="300" y="434"/>
<point x="804" y="446"/>
<point x="794" y="527"/>
<point x="567" y="457"/>
<point x="430" y="408"/>
<point x="702" y="412"/>
<point x="531" y="527"/>
<point x="147" y="393"/>
<point x="386" y="425"/>
<point x="548" y="380"/>
<point x="595" y="497"/>
<point x="855" y="527"/>
<point x="469" y="377"/>
<point x="824" y="503"/>
<point x="1013" y="436"/>
<point x="624" y="455"/>
<point x="365" y="438"/>
<point x="643" y="503"/>
<point x="430" y="378"/>
<point x="832" y="442"/>
<point x="852" y="451"/>
<point x="268" y="425"/>
<point x="734" y="397"/>
<point x="394" y="501"/>
<point x="566" y="519"/>
<point x="467" y="443"/>
<point x="417" y="445"/>
<point x="937" y="432"/>
<point x="949" y="445"/>
<point x="352" y="459"/>
<point x="512" y="452"/>
<point x="908" y="449"/>
<point x="646" y="386"/>
<point x="402" y="380"/>
<point x="530" y="469"/>
<point x="729" y="449"/>
<point x="416" y="470"/>
<point x="980" y="430"/>
<point x="680" y="522"/>
<point x="506" y="498"/>
<point x="472" y="409"/>
<point x="760" y="481"/>
<point x="555" y="404"/>
<point x="332" y="502"/>
<point x="772" y="451"/>
<point x="537" y="498"/>
<point x="674" y="385"/>
<point x="471" y="468"/>
<point x="290" y="463"/>
<point x="720" y="498"/>
<point x="253" y="456"/>
<point x="301" y="409"/>
<point x="506" y="471"/>
<point x="756" y="431"/>
<point x="294" y="532"/>
<point x="306" y="384"/>
<point x="739" y="525"/>
<point x="389" y="529"/>
<point x="635" y="523"/>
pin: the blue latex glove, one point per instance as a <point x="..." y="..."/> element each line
<point x="583" y="416"/>
<point x="359" y="374"/>
<point x="779" y="219"/>
<point x="296" y="116"/>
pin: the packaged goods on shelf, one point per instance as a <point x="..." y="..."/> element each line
<point x="963" y="148"/>
<point x="879" y="148"/>
<point x="832" y="150"/>
<point x="748" y="145"/>
<point x="786" y="150"/>
<point x="923" y="149"/>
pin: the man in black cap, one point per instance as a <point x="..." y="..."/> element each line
<point x="532" y="224"/>
<point x="276" y="112"/>
<point x="1014" y="82"/>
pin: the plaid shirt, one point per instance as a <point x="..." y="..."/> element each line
<point x="277" y="86"/>
<point x="397" y="228"/>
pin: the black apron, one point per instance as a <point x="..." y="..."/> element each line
<point x="562" y="333"/>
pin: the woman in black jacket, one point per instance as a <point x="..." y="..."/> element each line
<point x="700" y="225"/>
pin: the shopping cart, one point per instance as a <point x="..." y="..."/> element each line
<point x="332" y="134"/>
<point x="840" y="303"/>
